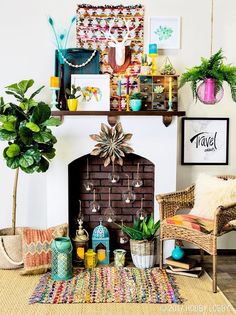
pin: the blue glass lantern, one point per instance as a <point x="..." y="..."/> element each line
<point x="100" y="244"/>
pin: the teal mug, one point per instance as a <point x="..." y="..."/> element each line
<point x="135" y="105"/>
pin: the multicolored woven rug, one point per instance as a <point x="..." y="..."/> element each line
<point x="109" y="285"/>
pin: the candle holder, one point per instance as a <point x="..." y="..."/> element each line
<point x="109" y="213"/>
<point x="123" y="238"/>
<point x="137" y="182"/>
<point x="54" y="86"/>
<point x="141" y="213"/>
<point x="95" y="207"/>
<point x="114" y="178"/>
<point x="127" y="103"/>
<point x="153" y="66"/>
<point x="170" y="107"/>
<point x="88" y="184"/>
<point x="128" y="196"/>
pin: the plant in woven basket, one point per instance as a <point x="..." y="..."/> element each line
<point x="143" y="241"/>
<point x="112" y="144"/>
<point x="211" y="70"/>
<point x="24" y="125"/>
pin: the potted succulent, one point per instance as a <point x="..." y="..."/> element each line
<point x="143" y="241"/>
<point x="25" y="126"/>
<point x="206" y="79"/>
<point x="136" y="101"/>
<point x="72" y="97"/>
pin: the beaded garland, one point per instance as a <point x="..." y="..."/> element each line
<point x="109" y="285"/>
<point x="82" y="64"/>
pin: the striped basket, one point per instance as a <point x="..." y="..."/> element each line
<point x="144" y="253"/>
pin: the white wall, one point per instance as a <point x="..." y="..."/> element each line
<point x="27" y="51"/>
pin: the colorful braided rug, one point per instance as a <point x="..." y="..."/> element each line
<point x="109" y="285"/>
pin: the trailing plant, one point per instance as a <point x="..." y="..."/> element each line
<point x="211" y="68"/>
<point x="73" y="92"/>
<point x="24" y="125"/>
<point x="144" y="229"/>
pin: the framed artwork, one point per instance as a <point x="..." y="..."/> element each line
<point x="205" y="141"/>
<point x="94" y="91"/>
<point x="165" y="31"/>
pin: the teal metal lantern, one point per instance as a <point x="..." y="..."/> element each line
<point x="61" y="258"/>
<point x="100" y="244"/>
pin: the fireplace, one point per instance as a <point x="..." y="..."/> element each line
<point x="98" y="175"/>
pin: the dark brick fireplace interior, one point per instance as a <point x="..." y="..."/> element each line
<point x="98" y="174"/>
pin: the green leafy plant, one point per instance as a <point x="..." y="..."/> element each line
<point x="211" y="68"/>
<point x="144" y="229"/>
<point x="136" y="96"/>
<point x="25" y="128"/>
<point x="73" y="92"/>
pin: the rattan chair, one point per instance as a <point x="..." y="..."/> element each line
<point x="172" y="202"/>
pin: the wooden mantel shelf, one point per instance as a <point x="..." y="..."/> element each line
<point x="167" y="116"/>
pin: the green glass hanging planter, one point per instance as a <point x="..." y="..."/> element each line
<point x="61" y="258"/>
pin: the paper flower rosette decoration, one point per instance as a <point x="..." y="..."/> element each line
<point x="112" y="144"/>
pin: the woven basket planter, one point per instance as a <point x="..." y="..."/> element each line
<point x="144" y="253"/>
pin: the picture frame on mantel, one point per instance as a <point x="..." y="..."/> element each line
<point x="165" y="31"/>
<point x="95" y="91"/>
<point x="205" y="141"/>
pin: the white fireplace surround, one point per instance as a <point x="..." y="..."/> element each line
<point x="43" y="198"/>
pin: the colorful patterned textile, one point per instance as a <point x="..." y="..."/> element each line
<point x="37" y="248"/>
<point x="93" y="20"/>
<point x="191" y="222"/>
<point x="109" y="285"/>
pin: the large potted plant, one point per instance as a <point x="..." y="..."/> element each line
<point x="143" y="241"/>
<point x="207" y="79"/>
<point x="24" y="125"/>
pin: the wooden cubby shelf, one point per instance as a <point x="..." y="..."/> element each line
<point x="167" y="116"/>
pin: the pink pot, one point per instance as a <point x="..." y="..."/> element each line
<point x="206" y="92"/>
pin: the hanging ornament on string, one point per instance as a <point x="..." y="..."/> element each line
<point x="137" y="182"/>
<point x="128" y="196"/>
<point x="88" y="184"/>
<point x="123" y="238"/>
<point x="141" y="213"/>
<point x="114" y="178"/>
<point x="95" y="207"/>
<point x="109" y="213"/>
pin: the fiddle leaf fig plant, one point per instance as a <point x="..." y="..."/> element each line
<point x="25" y="126"/>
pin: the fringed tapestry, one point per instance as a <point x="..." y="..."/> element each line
<point x="93" y="21"/>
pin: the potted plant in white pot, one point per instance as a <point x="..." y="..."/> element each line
<point x="143" y="241"/>
<point x="24" y="125"/>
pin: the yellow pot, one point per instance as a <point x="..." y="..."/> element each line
<point x="72" y="104"/>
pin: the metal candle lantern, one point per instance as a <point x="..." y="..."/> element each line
<point x="80" y="244"/>
<point x="101" y="237"/>
<point x="61" y="258"/>
<point x="90" y="259"/>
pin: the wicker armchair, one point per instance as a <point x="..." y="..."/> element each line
<point x="169" y="206"/>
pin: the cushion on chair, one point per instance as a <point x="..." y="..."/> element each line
<point x="191" y="222"/>
<point x="211" y="192"/>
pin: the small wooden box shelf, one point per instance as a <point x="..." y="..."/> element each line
<point x="158" y="101"/>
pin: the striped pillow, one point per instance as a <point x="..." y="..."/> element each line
<point x="37" y="248"/>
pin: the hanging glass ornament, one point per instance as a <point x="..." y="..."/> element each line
<point x="114" y="178"/>
<point x="128" y="196"/>
<point x="141" y="213"/>
<point x="123" y="238"/>
<point x="109" y="213"/>
<point x="95" y="207"/>
<point x="88" y="184"/>
<point x="137" y="182"/>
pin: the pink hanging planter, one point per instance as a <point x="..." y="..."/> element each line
<point x="206" y="92"/>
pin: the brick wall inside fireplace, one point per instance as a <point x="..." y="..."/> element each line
<point x="98" y="174"/>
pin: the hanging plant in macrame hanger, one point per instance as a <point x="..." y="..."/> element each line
<point x="112" y="144"/>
